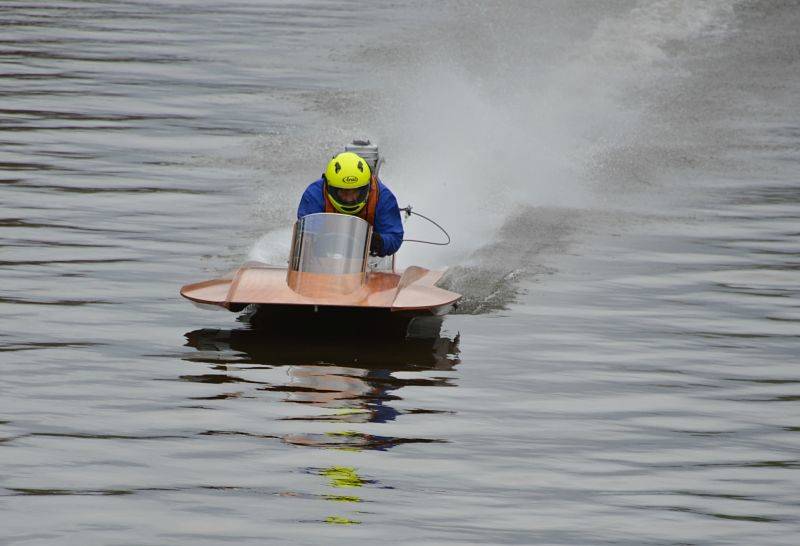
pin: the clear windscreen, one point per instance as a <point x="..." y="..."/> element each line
<point x="334" y="244"/>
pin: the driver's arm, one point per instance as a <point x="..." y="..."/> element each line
<point x="388" y="222"/>
<point x="312" y="201"/>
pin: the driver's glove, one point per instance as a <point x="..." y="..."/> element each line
<point x="376" y="244"/>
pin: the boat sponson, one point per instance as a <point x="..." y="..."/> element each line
<point x="256" y="283"/>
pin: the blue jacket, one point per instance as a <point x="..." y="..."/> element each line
<point x="387" y="214"/>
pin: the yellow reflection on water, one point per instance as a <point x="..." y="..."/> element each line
<point x="338" y="520"/>
<point x="342" y="477"/>
<point x="342" y="498"/>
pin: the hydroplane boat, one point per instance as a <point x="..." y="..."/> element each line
<point x="329" y="271"/>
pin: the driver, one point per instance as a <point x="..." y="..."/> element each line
<point x="348" y="187"/>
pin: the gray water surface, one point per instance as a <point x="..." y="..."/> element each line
<point x="620" y="180"/>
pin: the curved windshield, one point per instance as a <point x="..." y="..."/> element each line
<point x="334" y="244"/>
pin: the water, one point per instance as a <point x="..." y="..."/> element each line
<point x="619" y="177"/>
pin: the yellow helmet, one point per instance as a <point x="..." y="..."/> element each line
<point x="348" y="177"/>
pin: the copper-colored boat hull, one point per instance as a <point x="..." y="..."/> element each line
<point x="413" y="291"/>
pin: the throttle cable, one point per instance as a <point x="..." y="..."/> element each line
<point x="408" y="210"/>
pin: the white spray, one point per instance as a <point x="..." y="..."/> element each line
<point x="487" y="115"/>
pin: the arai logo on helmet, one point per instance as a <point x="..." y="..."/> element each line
<point x="350" y="179"/>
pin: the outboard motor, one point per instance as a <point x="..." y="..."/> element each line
<point x="368" y="151"/>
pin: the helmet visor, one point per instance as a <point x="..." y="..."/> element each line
<point x="349" y="198"/>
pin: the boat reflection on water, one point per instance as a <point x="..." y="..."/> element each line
<point x="352" y="378"/>
<point x="344" y="378"/>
